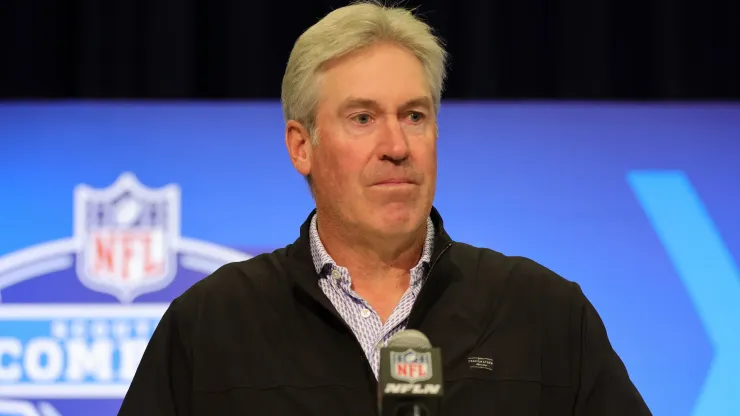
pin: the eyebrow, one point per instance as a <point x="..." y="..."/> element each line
<point x="355" y="103"/>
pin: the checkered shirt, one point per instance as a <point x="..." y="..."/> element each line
<point x="336" y="284"/>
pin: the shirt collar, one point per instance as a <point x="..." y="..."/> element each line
<point x="323" y="262"/>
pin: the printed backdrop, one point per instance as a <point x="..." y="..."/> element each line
<point x="109" y="210"/>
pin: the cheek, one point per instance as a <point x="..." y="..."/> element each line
<point x="339" y="169"/>
<point x="350" y="172"/>
<point x="426" y="153"/>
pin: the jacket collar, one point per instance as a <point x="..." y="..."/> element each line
<point x="300" y="250"/>
<point x="304" y="279"/>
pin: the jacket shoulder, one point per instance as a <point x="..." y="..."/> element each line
<point x="518" y="277"/>
<point x="244" y="283"/>
<point x="497" y="264"/>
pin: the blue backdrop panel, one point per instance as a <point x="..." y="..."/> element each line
<point x="109" y="210"/>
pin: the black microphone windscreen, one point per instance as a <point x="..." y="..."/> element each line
<point x="410" y="377"/>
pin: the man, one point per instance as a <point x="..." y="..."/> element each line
<point x="297" y="331"/>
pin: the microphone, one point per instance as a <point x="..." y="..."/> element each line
<point x="410" y="376"/>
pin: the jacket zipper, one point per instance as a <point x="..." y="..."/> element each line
<point x="429" y="273"/>
<point x="435" y="262"/>
<point x="368" y="368"/>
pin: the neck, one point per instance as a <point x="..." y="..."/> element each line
<point x="368" y="256"/>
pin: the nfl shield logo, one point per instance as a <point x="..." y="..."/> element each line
<point x="411" y="366"/>
<point x="126" y="237"/>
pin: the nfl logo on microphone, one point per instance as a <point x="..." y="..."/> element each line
<point x="411" y="366"/>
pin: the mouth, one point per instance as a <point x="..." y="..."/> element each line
<point x="395" y="182"/>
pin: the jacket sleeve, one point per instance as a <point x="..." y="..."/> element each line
<point x="605" y="387"/>
<point x="162" y="383"/>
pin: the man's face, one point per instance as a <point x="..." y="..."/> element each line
<point x="375" y="165"/>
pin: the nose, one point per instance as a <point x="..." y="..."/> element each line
<point x="395" y="144"/>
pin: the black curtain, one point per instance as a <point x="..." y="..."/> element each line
<point x="500" y="49"/>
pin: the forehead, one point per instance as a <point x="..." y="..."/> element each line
<point x="384" y="73"/>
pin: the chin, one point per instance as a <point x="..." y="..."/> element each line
<point x="399" y="218"/>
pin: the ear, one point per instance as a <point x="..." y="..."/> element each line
<point x="298" y="141"/>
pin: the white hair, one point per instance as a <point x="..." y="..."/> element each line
<point x="348" y="29"/>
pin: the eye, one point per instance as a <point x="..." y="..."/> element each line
<point x="362" y="118"/>
<point x="416" y="116"/>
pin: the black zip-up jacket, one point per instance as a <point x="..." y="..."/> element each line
<point x="259" y="337"/>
